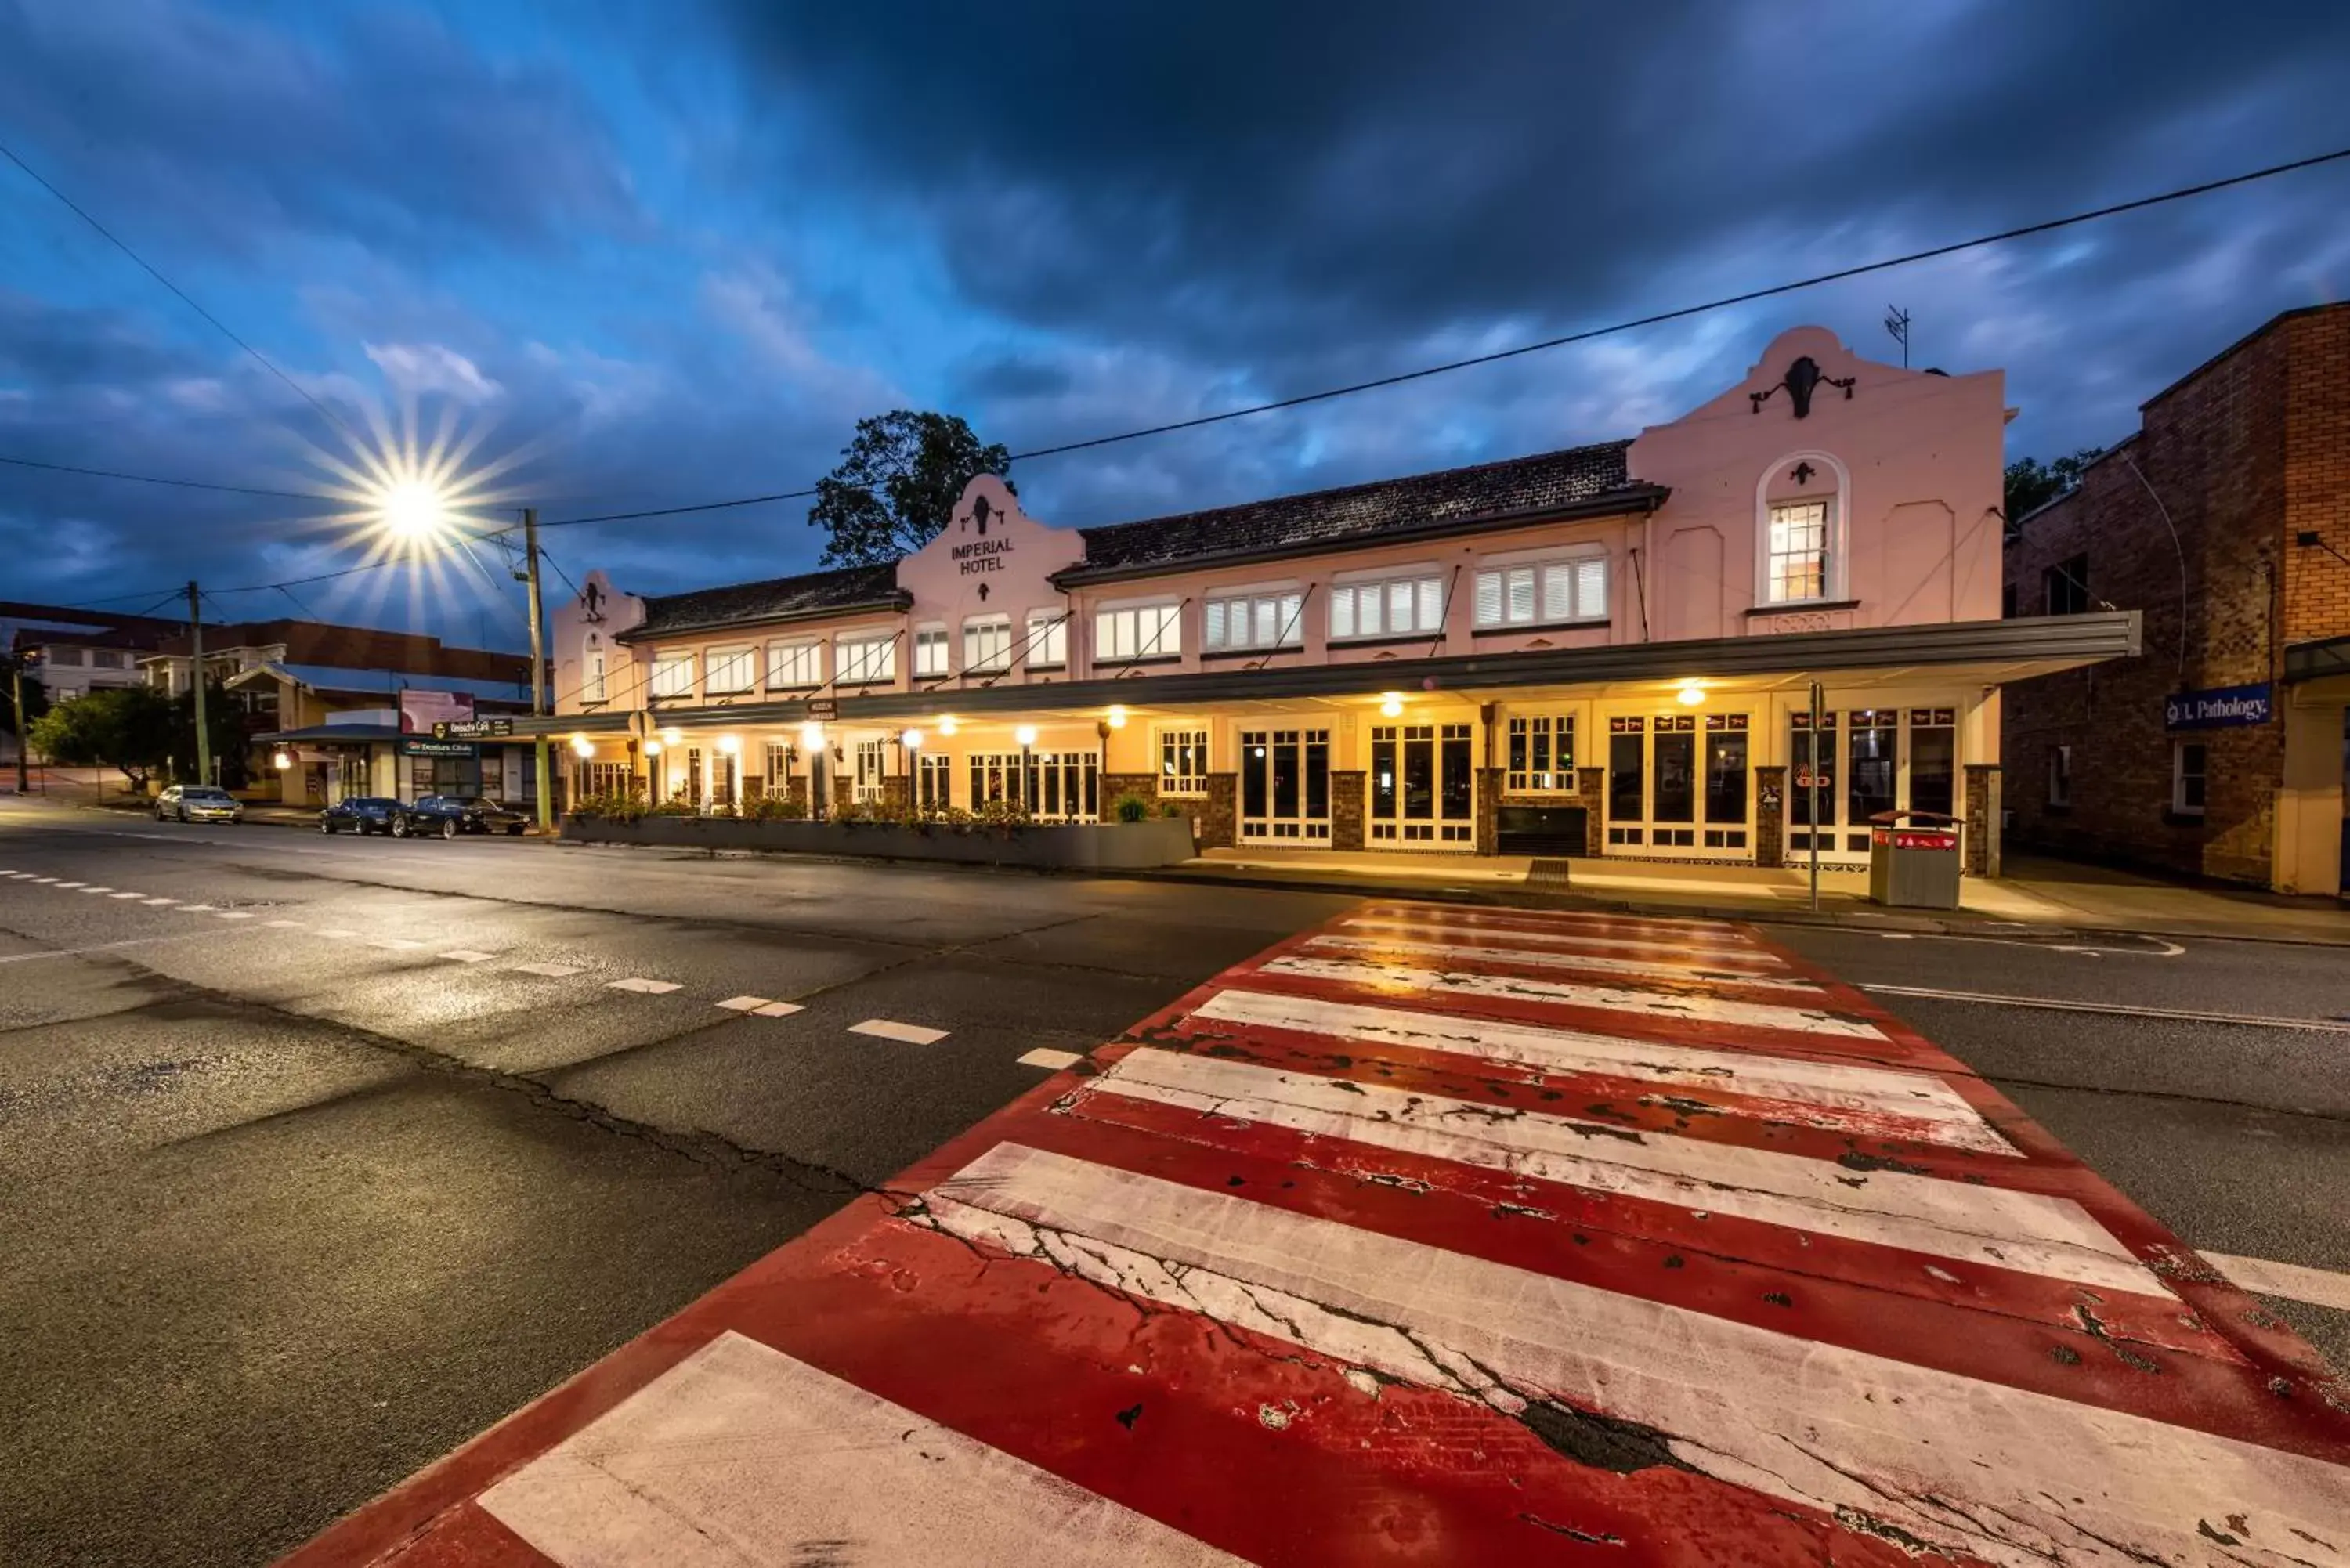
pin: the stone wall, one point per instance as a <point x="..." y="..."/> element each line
<point x="1982" y="819"/>
<point x="1216" y="814"/>
<point x="1115" y="784"/>
<point x="1489" y="810"/>
<point x="1346" y="810"/>
<point x="1770" y="815"/>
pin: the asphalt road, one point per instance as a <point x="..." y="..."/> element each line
<point x="307" y="1185"/>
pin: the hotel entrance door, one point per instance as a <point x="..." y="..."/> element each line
<point x="1285" y="786"/>
<point x="1423" y="789"/>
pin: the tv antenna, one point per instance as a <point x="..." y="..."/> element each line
<point x="1896" y="322"/>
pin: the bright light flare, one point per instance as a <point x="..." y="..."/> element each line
<point x="414" y="511"/>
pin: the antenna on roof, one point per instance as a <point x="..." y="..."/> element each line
<point x="1896" y="322"/>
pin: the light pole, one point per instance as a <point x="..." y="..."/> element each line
<point x="196" y="653"/>
<point x="537" y="669"/>
<point x="16" y="663"/>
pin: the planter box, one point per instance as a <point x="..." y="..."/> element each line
<point x="1068" y="847"/>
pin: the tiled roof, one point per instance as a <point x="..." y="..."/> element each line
<point x="1572" y="479"/>
<point x="777" y="598"/>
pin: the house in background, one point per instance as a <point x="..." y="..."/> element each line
<point x="2223" y="751"/>
<point x="1607" y="650"/>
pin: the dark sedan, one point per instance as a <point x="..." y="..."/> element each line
<point x="361" y="813"/>
<point x="451" y="814"/>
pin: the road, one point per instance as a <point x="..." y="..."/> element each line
<point x="323" y="1155"/>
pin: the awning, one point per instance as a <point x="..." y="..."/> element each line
<point x="332" y="735"/>
<point x="2316" y="661"/>
<point x="1993" y="651"/>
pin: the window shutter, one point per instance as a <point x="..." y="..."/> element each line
<point x="1591" y="588"/>
<point x="1432" y="604"/>
<point x="1215" y="633"/>
<point x="1167" y="637"/>
<point x="1370" y="601"/>
<point x="1521" y="594"/>
<point x="1489" y="598"/>
<point x="1342" y="612"/>
<point x="1292" y="617"/>
<point x="1105" y="636"/>
<point x="1267" y="629"/>
<point x="1399" y="606"/>
<point x="1558" y="591"/>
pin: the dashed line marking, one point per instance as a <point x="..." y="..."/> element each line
<point x="395" y="944"/>
<point x="904" y="1034"/>
<point x="154" y="903"/>
<point x="63" y="884"/>
<point x="233" y="915"/>
<point x="744" y="1003"/>
<point x="336" y="932"/>
<point x="1045" y="1056"/>
<point x="777" y="1009"/>
<point x="131" y="895"/>
<point x="98" y="889"/>
<point x="45" y="880"/>
<point x="195" y="909"/>
<point x="285" y="925"/>
<point x="467" y="955"/>
<point x="551" y="971"/>
<point x="642" y="986"/>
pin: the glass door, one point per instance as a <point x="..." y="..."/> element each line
<point x="1423" y="785"/>
<point x="1286" y="786"/>
<point x="1678" y="783"/>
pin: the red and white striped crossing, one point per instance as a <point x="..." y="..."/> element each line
<point x="1443" y="1235"/>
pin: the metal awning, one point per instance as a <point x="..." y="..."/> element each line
<point x="2316" y="661"/>
<point x="1994" y="651"/>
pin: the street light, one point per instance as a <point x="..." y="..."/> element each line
<point x="582" y="746"/>
<point x="413" y="510"/>
<point x="281" y="762"/>
<point x="1116" y="716"/>
<point x="811" y="738"/>
<point x="911" y="740"/>
<point x="947" y="725"/>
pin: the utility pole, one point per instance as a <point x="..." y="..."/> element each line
<point x="16" y="693"/>
<point x="196" y="647"/>
<point x="537" y="667"/>
<point x="1814" y="781"/>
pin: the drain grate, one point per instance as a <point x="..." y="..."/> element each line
<point x="1547" y="870"/>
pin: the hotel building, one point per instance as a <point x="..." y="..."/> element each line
<point x="1609" y="650"/>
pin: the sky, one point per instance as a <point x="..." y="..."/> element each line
<point x="606" y="257"/>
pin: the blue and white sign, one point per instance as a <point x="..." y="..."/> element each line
<point x="2221" y="707"/>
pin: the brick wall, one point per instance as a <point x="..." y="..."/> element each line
<point x="1770" y="815"/>
<point x="1115" y="784"/>
<point x="2250" y="447"/>
<point x="1346" y="809"/>
<point x="1217" y="815"/>
<point x="1488" y="809"/>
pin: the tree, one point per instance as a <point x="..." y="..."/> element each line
<point x="132" y="728"/>
<point x="2032" y="483"/>
<point x="896" y="486"/>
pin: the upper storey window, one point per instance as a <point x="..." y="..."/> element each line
<point x="1543" y="592"/>
<point x="672" y="675"/>
<point x="1797" y="565"/>
<point x="1800" y="540"/>
<point x="1137" y="631"/>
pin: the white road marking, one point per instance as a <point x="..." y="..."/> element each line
<point x="551" y="971"/>
<point x="744" y="1003"/>
<point x="2118" y="1009"/>
<point x="87" y="891"/>
<point x="45" y="880"/>
<point x="1684" y="934"/>
<point x="1844" y="1095"/>
<point x="65" y="884"/>
<point x="1984" y="1225"/>
<point x="233" y="915"/>
<point x="644" y="987"/>
<point x="195" y="909"/>
<point x="2160" y="950"/>
<point x="155" y="903"/>
<point x="131" y="895"/>
<point x="1536" y="958"/>
<point x="1812" y="1423"/>
<point x="905" y="1034"/>
<point x="336" y="932"/>
<point x="740" y="1454"/>
<point x="99" y="948"/>
<point x="1612" y="999"/>
<point x="467" y="955"/>
<point x="1045" y="1056"/>
<point x="395" y="944"/>
<point x="2294" y="1281"/>
<point x="285" y="925"/>
<point x="1741" y="955"/>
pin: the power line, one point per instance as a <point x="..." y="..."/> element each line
<point x="680" y="511"/>
<point x="107" y="235"/>
<point x="178" y="484"/>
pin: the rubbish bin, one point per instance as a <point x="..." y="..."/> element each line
<point x="1913" y="859"/>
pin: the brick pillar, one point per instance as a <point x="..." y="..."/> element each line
<point x="796" y="796"/>
<point x="1115" y="784"/>
<point x="1770" y="815"/>
<point x="844" y="792"/>
<point x="1489" y="810"/>
<point x="897" y="793"/>
<point x="1218" y="816"/>
<point x="1589" y="783"/>
<point x="754" y="787"/>
<point x="1981" y="845"/>
<point x="1346" y="810"/>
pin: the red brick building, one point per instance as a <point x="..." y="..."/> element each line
<point x="2222" y="750"/>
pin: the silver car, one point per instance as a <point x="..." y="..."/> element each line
<point x="198" y="803"/>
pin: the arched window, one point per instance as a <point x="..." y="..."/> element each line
<point x="1801" y="508"/>
<point x="591" y="671"/>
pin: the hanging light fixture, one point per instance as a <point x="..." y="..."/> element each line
<point x="947" y="725"/>
<point x="1391" y="703"/>
<point x="1117" y="716"/>
<point x="812" y="738"/>
<point x="1691" y="694"/>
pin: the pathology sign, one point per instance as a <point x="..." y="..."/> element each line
<point x="2221" y="707"/>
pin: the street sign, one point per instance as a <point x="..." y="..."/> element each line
<point x="471" y="729"/>
<point x="2221" y="707"/>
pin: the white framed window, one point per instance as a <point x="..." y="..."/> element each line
<point x="672" y="675"/>
<point x="791" y="664"/>
<point x="63" y="657"/>
<point x="591" y="672"/>
<point x="931" y="649"/>
<point x="1275" y="620"/>
<point x="1795" y="560"/>
<point x="1182" y="762"/>
<point x="933" y="782"/>
<point x="778" y="759"/>
<point x="107" y="659"/>
<point x="1392" y="607"/>
<point x="1137" y="631"/>
<point x="1048" y="639"/>
<point x="1542" y="753"/>
<point x="1543" y="592"/>
<point x="2188" y="777"/>
<point x="873" y="767"/>
<point x="2060" y="776"/>
<point x="987" y="642"/>
<point x="867" y="660"/>
<point x="731" y="670"/>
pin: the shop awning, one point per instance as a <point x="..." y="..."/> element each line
<point x="1992" y="652"/>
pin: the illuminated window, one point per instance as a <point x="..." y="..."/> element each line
<point x="1797" y="565"/>
<point x="987" y="643"/>
<point x="929" y="650"/>
<point x="730" y="671"/>
<point x="1396" y="607"/>
<point x="672" y="675"/>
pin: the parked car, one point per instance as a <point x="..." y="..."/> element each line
<point x="361" y="813"/>
<point x="198" y="803"/>
<point x="451" y="814"/>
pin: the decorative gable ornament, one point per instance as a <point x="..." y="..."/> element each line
<point x="1804" y="378"/>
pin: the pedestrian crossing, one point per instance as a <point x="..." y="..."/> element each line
<point x="1457" y="1236"/>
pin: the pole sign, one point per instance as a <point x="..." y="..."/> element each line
<point x="2221" y="707"/>
<point x="471" y="729"/>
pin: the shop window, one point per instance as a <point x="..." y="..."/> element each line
<point x="873" y="767"/>
<point x="1543" y="592"/>
<point x="2188" y="760"/>
<point x="672" y="675"/>
<point x="1933" y="760"/>
<point x="1137" y="631"/>
<point x="792" y="664"/>
<point x="1796" y="565"/>
<point x="730" y="671"/>
<point x="1394" y="607"/>
<point x="933" y="782"/>
<point x="2060" y="776"/>
<point x="987" y="643"/>
<point x="1627" y="802"/>
<point x="1182" y="762"/>
<point x="1542" y="753"/>
<point x="1048" y="639"/>
<point x="1254" y="621"/>
<point x="867" y="661"/>
<point x="929" y="650"/>
<point x="1725" y="774"/>
<point x="2065" y="587"/>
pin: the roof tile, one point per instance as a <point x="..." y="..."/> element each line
<point x="775" y="599"/>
